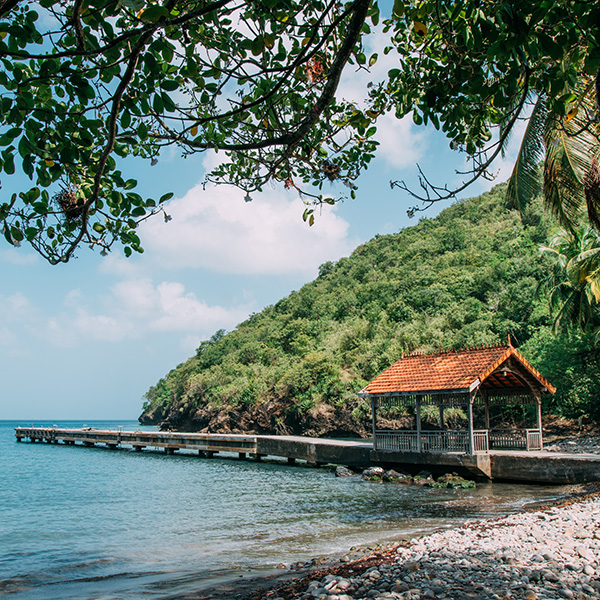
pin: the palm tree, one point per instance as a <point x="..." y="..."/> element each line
<point x="569" y="148"/>
<point x="574" y="282"/>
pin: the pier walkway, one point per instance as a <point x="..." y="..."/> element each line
<point x="510" y="465"/>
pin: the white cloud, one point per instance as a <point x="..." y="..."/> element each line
<point x="214" y="229"/>
<point x="213" y="159"/>
<point x="18" y="257"/>
<point x="401" y="144"/>
<point x="7" y="337"/>
<point x="136" y="309"/>
<point x="169" y="307"/>
<point x="181" y="311"/>
<point x="16" y="307"/>
<point x="116" y="264"/>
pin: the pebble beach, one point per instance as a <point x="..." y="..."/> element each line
<point x="547" y="554"/>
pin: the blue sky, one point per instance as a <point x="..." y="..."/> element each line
<point x="85" y="340"/>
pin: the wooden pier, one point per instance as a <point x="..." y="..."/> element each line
<point x="510" y="465"/>
<point x="314" y="451"/>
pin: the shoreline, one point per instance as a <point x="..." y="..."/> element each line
<point x="547" y="551"/>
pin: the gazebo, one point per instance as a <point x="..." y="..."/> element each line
<point x="473" y="379"/>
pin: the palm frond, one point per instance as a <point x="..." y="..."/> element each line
<point x="507" y="125"/>
<point x="570" y="150"/>
<point x="565" y="314"/>
<point x="524" y="183"/>
<point x="591" y="185"/>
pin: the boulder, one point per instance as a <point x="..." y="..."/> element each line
<point x="344" y="472"/>
<point x="373" y="474"/>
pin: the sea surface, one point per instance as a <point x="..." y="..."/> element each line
<point x="93" y="523"/>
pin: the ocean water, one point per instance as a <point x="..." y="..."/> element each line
<point x="93" y="523"/>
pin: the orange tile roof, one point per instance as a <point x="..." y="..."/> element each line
<point x="453" y="370"/>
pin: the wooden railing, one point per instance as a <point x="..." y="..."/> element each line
<point x="516" y="439"/>
<point x="481" y="441"/>
<point x="449" y="440"/>
<point x="534" y="439"/>
<point x="404" y="441"/>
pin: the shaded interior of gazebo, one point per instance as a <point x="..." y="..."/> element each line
<point x="479" y="381"/>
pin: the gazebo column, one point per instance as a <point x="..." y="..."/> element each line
<point x="374" y="421"/>
<point x="538" y="406"/>
<point x="418" y="415"/>
<point x="486" y="403"/>
<point x="470" y="417"/>
<point x="441" y="410"/>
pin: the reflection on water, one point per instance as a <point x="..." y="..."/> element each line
<point x="93" y="523"/>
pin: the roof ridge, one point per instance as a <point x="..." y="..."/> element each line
<point x="421" y="352"/>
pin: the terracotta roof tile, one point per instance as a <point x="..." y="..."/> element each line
<point x="454" y="370"/>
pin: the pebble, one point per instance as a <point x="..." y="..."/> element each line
<point x="584" y="444"/>
<point x="538" y="555"/>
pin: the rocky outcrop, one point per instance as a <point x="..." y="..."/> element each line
<point x="269" y="418"/>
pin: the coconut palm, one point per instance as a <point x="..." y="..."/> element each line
<point x="568" y="148"/>
<point x="574" y="281"/>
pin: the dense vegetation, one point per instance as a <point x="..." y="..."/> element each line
<point x="467" y="277"/>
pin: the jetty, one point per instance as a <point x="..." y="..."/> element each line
<point x="509" y="465"/>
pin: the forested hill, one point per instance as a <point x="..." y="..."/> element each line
<point x="464" y="278"/>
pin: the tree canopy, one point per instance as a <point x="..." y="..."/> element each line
<point x="85" y="83"/>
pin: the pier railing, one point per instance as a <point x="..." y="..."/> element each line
<point x="449" y="440"/>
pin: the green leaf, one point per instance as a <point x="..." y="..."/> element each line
<point x="153" y="13"/>
<point x="135" y="5"/>
<point x="398" y="9"/>
<point x="158" y="104"/>
<point x="16" y="234"/>
<point x="166" y="197"/>
<point x="258" y="45"/>
<point x="142" y="131"/>
<point x="169" y="85"/>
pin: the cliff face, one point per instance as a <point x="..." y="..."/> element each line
<point x="466" y="277"/>
<point x="265" y="419"/>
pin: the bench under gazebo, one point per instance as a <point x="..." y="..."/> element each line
<point x="476" y="380"/>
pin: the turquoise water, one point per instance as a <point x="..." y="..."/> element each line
<point x="92" y="523"/>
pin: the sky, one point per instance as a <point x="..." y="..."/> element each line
<point x="87" y="339"/>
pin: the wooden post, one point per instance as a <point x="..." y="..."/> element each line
<point x="374" y="421"/>
<point x="538" y="402"/>
<point x="418" y="415"/>
<point x="470" y="415"/>
<point x="487" y="409"/>
<point x="441" y="409"/>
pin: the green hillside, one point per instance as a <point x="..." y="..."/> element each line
<point x="465" y="278"/>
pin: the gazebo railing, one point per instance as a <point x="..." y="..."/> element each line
<point x="515" y="439"/>
<point x="404" y="441"/>
<point x="448" y="440"/>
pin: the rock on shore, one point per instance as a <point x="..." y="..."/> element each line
<point x="585" y="444"/>
<point x="547" y="555"/>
